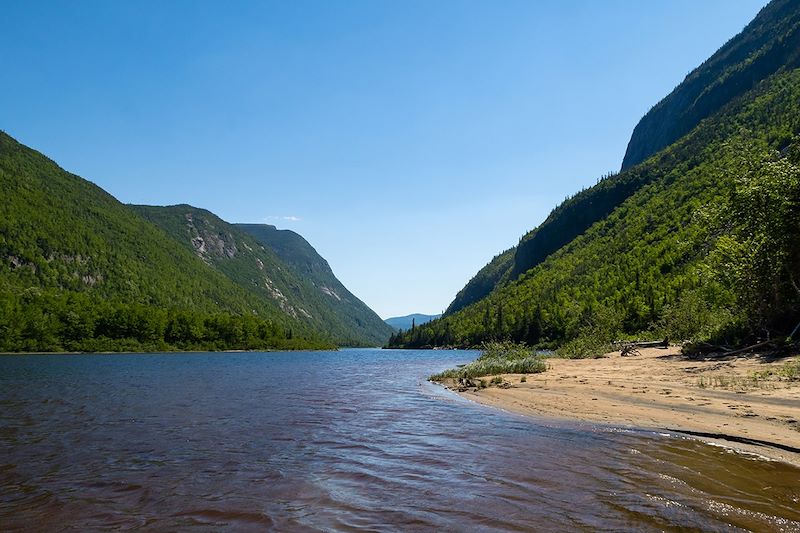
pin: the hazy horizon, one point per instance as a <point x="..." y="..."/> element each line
<point x="408" y="142"/>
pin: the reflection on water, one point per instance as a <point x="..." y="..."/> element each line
<point x="340" y="441"/>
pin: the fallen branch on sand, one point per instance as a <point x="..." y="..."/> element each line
<point x="712" y="350"/>
<point x="643" y="344"/>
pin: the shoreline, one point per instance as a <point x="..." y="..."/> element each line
<point x="742" y="403"/>
<point x="176" y="352"/>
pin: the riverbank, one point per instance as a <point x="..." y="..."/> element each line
<point x="744" y="403"/>
<point x="333" y="348"/>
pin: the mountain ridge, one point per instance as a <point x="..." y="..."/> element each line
<point x="300" y="255"/>
<point x="407" y="321"/>
<point x="775" y="42"/>
<point x="80" y="271"/>
<point x="285" y="272"/>
<point x="769" y="43"/>
<point x="631" y="254"/>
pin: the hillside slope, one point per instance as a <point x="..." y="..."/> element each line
<point x="80" y="270"/>
<point x="650" y="262"/>
<point x="494" y="274"/>
<point x="304" y="260"/>
<point x="328" y="309"/>
<point x="769" y="44"/>
<point x="59" y="230"/>
<point x="409" y="321"/>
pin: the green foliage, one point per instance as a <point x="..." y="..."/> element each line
<point x="790" y="371"/>
<point x="278" y="267"/>
<point x="505" y="350"/>
<point x="584" y="347"/>
<point x="348" y="319"/>
<point x="696" y="315"/>
<point x="49" y="320"/>
<point x="759" y="254"/>
<point x="598" y="329"/>
<point x="769" y="44"/>
<point x="60" y="231"/>
<point x="647" y="268"/>
<point x="81" y="271"/>
<point x="498" y="358"/>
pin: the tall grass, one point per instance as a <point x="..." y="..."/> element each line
<point x="498" y="358"/>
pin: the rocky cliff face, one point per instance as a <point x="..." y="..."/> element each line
<point x="209" y="242"/>
<point x="770" y="43"/>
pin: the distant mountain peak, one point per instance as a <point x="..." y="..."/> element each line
<point x="405" y="322"/>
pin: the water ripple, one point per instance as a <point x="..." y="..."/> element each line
<point x="341" y="441"/>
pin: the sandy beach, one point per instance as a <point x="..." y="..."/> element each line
<point x="716" y="400"/>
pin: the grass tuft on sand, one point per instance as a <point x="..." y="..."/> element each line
<point x="498" y="358"/>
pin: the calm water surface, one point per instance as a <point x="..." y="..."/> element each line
<point x="350" y="440"/>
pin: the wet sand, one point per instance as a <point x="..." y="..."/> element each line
<point x="717" y="400"/>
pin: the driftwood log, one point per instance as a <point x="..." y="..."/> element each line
<point x="723" y="352"/>
<point x="640" y="344"/>
<point x="751" y="348"/>
<point x="651" y="344"/>
<point x="629" y="350"/>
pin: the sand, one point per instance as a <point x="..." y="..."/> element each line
<point x="662" y="389"/>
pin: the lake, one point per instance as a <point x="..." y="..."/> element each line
<point x="341" y="441"/>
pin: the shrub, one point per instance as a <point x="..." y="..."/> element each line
<point x="498" y="358"/>
<point x="694" y="318"/>
<point x="584" y="347"/>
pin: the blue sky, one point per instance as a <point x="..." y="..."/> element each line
<point x="408" y="141"/>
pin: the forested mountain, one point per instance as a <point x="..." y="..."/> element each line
<point x="292" y="278"/>
<point x="492" y="275"/>
<point x="58" y="230"/>
<point x="409" y="321"/>
<point x="769" y="44"/>
<point x="358" y="320"/>
<point x="81" y="271"/>
<point x="701" y="240"/>
<point x="295" y="251"/>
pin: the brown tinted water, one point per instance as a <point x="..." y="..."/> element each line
<point x="350" y="440"/>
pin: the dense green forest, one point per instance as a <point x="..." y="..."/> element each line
<point x="55" y="320"/>
<point x="81" y="271"/>
<point x="699" y="242"/>
<point x="769" y="44"/>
